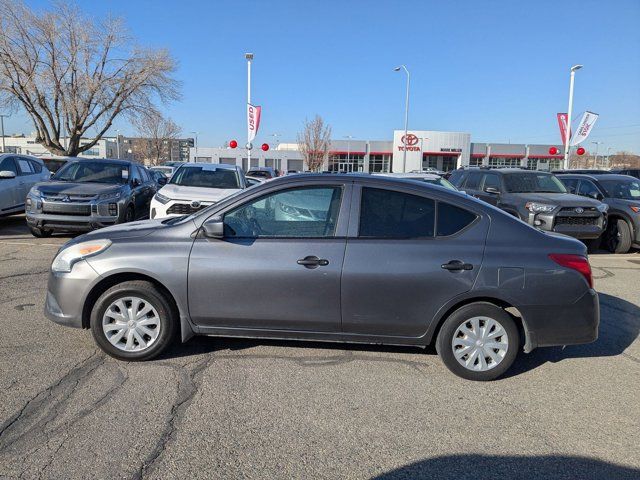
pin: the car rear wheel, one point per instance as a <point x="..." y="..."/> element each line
<point x="133" y="321"/>
<point x="478" y="341"/>
<point x="618" y="238"/>
<point x="40" y="232"/>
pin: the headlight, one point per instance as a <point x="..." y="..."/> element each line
<point x="66" y="258"/>
<point x="109" y="196"/>
<point x="539" y="207"/>
<point x="161" y="198"/>
<point x="603" y="207"/>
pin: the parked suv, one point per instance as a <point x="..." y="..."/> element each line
<point x="622" y="194"/>
<point x="18" y="173"/>
<point x="88" y="194"/>
<point x="536" y="197"/>
<point x="634" y="172"/>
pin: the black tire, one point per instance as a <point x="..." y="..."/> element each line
<point x="618" y="236"/>
<point x="149" y="293"/>
<point x="593" y="244"/>
<point x="40" y="233"/>
<point x="464" y="314"/>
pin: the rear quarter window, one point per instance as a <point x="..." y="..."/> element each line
<point x="473" y="180"/>
<point x="452" y="219"/>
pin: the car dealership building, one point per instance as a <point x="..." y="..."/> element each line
<point x="424" y="149"/>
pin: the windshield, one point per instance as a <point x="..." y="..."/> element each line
<point x="624" y="189"/>
<point x="530" y="182"/>
<point x="208" y="176"/>
<point x="94" y="172"/>
<point x="443" y="182"/>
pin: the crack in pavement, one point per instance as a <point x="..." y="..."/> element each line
<point x="24" y="274"/>
<point x="188" y="386"/>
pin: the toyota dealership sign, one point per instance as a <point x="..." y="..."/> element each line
<point x="428" y="143"/>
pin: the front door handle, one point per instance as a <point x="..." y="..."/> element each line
<point x="457" y="265"/>
<point x="312" y="261"/>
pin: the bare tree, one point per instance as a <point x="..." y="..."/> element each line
<point x="314" y="142"/>
<point x="73" y="74"/>
<point x="157" y="134"/>
<point x="624" y="160"/>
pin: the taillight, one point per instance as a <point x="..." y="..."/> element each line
<point x="575" y="262"/>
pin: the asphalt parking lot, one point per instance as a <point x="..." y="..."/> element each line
<point x="219" y="408"/>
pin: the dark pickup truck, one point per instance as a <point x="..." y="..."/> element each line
<point x="537" y="198"/>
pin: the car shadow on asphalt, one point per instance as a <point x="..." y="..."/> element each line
<point x="548" y="467"/>
<point x="619" y="327"/>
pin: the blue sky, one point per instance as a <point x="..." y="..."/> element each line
<point x="496" y="69"/>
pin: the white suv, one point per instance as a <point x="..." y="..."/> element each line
<point x="18" y="173"/>
<point x="194" y="186"/>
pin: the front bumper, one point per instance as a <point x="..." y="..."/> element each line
<point x="67" y="293"/>
<point x="572" y="324"/>
<point x="585" y="227"/>
<point x="73" y="217"/>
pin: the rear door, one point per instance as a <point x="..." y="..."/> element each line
<point x="28" y="177"/>
<point x="9" y="187"/>
<point x="407" y="254"/>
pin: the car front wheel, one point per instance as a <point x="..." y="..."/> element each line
<point x="478" y="341"/>
<point x="133" y="321"/>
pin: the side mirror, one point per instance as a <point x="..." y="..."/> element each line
<point x="213" y="227"/>
<point x="492" y="190"/>
<point x="597" y="196"/>
<point x="7" y="174"/>
<point x="163" y="181"/>
<point x="135" y="182"/>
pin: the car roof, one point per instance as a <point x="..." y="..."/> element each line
<point x="224" y="166"/>
<point x="429" y="176"/>
<point x="604" y="176"/>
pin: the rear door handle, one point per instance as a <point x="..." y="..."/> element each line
<point x="312" y="261"/>
<point x="457" y="265"/>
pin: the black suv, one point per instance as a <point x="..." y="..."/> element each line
<point x="622" y="194"/>
<point x="537" y="198"/>
<point x="88" y="194"/>
<point x="634" y="172"/>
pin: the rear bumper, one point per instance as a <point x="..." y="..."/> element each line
<point x="572" y="324"/>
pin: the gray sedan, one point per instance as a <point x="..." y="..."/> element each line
<point x="335" y="258"/>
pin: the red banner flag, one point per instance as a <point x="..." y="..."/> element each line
<point x="562" y="123"/>
<point x="253" y="121"/>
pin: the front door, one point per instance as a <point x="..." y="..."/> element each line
<point x="279" y="265"/>
<point x="401" y="266"/>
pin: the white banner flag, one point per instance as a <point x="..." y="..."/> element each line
<point x="253" y="121"/>
<point x="585" y="127"/>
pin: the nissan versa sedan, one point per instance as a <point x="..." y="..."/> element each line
<point x="359" y="259"/>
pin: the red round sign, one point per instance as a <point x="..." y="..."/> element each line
<point x="581" y="151"/>
<point x="265" y="147"/>
<point x="233" y="144"/>
<point x="410" y="139"/>
<point x="553" y="151"/>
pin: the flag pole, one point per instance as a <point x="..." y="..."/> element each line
<point x="249" y="57"/>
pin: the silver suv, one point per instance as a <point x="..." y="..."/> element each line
<point x="18" y="173"/>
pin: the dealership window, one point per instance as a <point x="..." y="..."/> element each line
<point x="203" y="159"/>
<point x="295" y="164"/>
<point x="430" y="161"/>
<point x="273" y="163"/>
<point x="452" y="219"/>
<point x="228" y="161"/>
<point x="342" y="162"/>
<point x="391" y="214"/>
<point x="379" y="163"/>
<point x="449" y="163"/>
<point x="504" y="162"/>
<point x="307" y="212"/>
<point x="475" y="161"/>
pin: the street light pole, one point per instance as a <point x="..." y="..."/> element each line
<point x="595" y="160"/>
<point x="406" y="116"/>
<point x="2" y="117"/>
<point x="249" y="57"/>
<point x="568" y="134"/>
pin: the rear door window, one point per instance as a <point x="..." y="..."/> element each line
<point x="588" y="189"/>
<point x="392" y="214"/>
<point x="452" y="219"/>
<point x="25" y="167"/>
<point x="36" y="166"/>
<point x="571" y="184"/>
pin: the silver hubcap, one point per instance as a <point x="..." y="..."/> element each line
<point x="480" y="344"/>
<point x="131" y="324"/>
